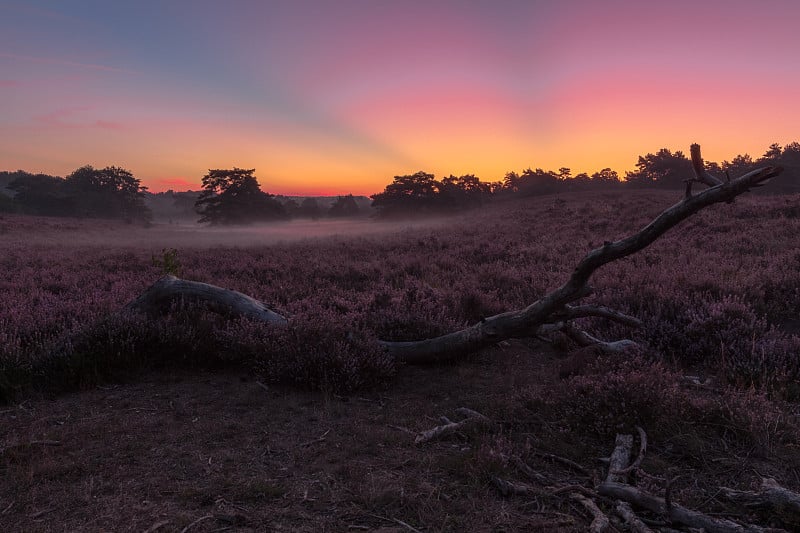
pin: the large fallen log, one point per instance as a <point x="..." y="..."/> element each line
<point x="674" y="512"/>
<point x="779" y="500"/>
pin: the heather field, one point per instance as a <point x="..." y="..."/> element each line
<point x="116" y="421"/>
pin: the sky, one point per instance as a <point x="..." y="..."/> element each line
<point x="337" y="97"/>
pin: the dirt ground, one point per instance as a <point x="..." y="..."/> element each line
<point x="222" y="452"/>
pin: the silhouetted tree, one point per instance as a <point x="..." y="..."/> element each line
<point x="606" y="176"/>
<point x="740" y="165"/>
<point x="415" y="192"/>
<point x="40" y="194"/>
<point x="233" y="196"/>
<point x="463" y="192"/>
<point x="511" y="182"/>
<point x="7" y="204"/>
<point x="663" y="169"/>
<point x="309" y="208"/>
<point x="773" y="152"/>
<point x="110" y="192"/>
<point x="344" y="206"/>
<point x="535" y="182"/>
<point x="291" y="207"/>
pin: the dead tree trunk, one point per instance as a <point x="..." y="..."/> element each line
<point x="552" y="312"/>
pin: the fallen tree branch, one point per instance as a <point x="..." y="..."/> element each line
<point x="519" y="323"/>
<point x="600" y="522"/>
<point x="449" y="427"/>
<point x="783" y="502"/>
<point x="583" y="339"/>
<point x="160" y="296"/>
<point x="635" y="524"/>
<point x="675" y="513"/>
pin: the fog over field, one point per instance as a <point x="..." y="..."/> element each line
<point x="23" y="230"/>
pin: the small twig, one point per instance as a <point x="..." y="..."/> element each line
<point x="7" y="509"/>
<point x="321" y="438"/>
<point x="401" y="428"/>
<point x="45" y="443"/>
<point x="396" y="521"/>
<point x="262" y="386"/>
<point x="190" y="526"/>
<point x="42" y="512"/>
<point x="511" y="488"/>
<point x="523" y="467"/>
<point x="668" y="496"/>
<point x="563" y="460"/>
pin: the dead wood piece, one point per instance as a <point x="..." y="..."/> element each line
<point x="520" y="323"/>
<point x="162" y="294"/>
<point x="581" y="338"/>
<point x="600" y="522"/>
<point x="620" y="458"/>
<point x="512" y="488"/>
<point x="201" y="519"/>
<point x="637" y="464"/>
<point x="448" y="428"/>
<point x="523" y="467"/>
<point x="700" y="172"/>
<point x="771" y="495"/>
<point x="625" y="511"/>
<point x="675" y="513"/>
<point x="158" y="525"/>
<point x="564" y="461"/>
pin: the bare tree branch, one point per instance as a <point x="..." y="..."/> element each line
<point x="676" y="513"/>
<point x="519" y="323"/>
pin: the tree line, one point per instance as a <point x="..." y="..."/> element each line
<point x="110" y="192"/>
<point x="234" y="196"/>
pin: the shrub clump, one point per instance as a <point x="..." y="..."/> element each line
<point x="312" y="353"/>
<point x="617" y="395"/>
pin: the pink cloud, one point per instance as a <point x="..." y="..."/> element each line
<point x="9" y="83"/>
<point x="74" y="117"/>
<point x="108" y="125"/>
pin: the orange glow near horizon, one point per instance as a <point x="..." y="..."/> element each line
<point x="340" y="98"/>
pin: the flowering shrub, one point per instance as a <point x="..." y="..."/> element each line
<point x="619" y="394"/>
<point x="714" y="291"/>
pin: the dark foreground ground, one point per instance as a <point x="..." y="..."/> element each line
<point x="176" y="448"/>
<point x="220" y="452"/>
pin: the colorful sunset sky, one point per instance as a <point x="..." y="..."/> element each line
<point x="335" y="97"/>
